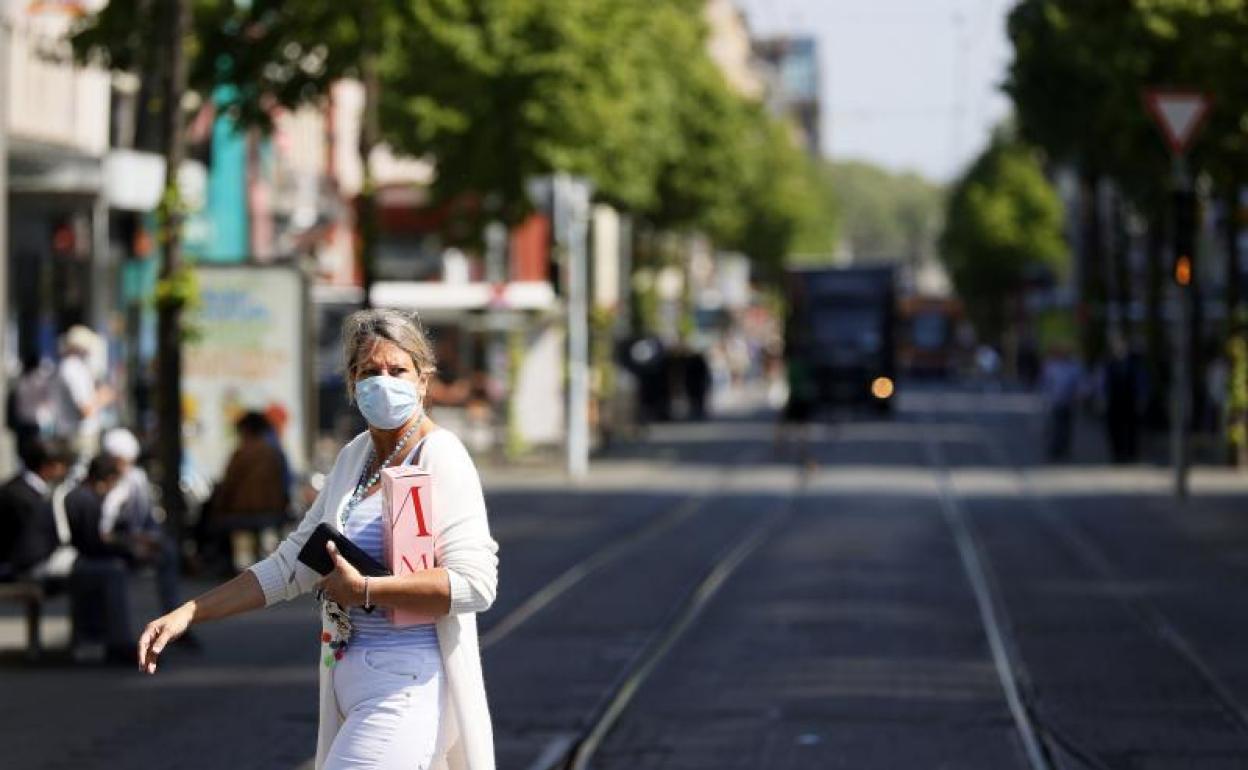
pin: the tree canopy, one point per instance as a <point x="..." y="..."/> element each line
<point x="1080" y="71"/>
<point x="885" y="216"/>
<point x="495" y="92"/>
<point x="1004" y="223"/>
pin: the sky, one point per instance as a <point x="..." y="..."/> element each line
<point x="911" y="85"/>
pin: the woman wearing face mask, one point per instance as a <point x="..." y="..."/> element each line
<point x="390" y="697"/>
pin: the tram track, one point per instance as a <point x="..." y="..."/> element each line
<point x="992" y="614"/>
<point x="708" y="567"/>
<point x="1089" y="553"/>
<point x="1050" y="745"/>
<point x="550" y="591"/>
<point x="582" y="749"/>
<point x="577" y="750"/>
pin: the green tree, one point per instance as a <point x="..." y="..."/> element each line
<point x="1004" y="220"/>
<point x="784" y="206"/>
<point x="885" y="216"/>
<point x="527" y="88"/>
<point x="272" y="53"/>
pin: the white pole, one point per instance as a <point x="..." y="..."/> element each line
<point x="574" y="194"/>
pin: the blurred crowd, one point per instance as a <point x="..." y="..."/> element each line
<point x="81" y="516"/>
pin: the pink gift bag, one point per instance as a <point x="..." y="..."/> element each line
<point x="407" y="525"/>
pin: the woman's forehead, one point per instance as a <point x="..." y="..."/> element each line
<point x="383" y="351"/>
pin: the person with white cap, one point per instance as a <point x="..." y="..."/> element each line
<point x="81" y="396"/>
<point x="128" y="515"/>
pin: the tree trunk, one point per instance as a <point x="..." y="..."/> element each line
<point x="1118" y="264"/>
<point x="370" y="136"/>
<point x="1091" y="269"/>
<point x="169" y="312"/>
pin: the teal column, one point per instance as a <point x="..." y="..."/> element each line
<point x="226" y="209"/>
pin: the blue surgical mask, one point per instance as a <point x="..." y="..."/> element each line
<point x="386" y="402"/>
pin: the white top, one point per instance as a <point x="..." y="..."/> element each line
<point x="77" y="393"/>
<point x="462" y="545"/>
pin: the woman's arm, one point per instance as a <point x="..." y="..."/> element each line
<point x="234" y="597"/>
<point x="427" y="592"/>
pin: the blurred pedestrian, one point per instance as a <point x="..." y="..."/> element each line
<point x="32" y="403"/>
<point x="81" y="395"/>
<point x="99" y="588"/>
<point x="1028" y="360"/>
<point x="1123" y="390"/>
<point x="28" y="532"/>
<point x="988" y="367"/>
<point x="128" y="516"/>
<point x="799" y="408"/>
<point x="1217" y="381"/>
<point x="697" y="383"/>
<point x="253" y="496"/>
<point x="649" y="360"/>
<point x="1060" y="382"/>
<point x="391" y="696"/>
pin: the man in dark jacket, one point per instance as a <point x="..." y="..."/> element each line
<point x="28" y="533"/>
<point x="99" y="588"/>
<point x="84" y="507"/>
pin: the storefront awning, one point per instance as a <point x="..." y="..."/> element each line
<point x="36" y="168"/>
<point x="432" y="298"/>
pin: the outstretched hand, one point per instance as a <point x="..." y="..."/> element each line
<point x="159" y="633"/>
<point x="345" y="585"/>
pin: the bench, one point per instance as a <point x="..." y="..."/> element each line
<point x="32" y="595"/>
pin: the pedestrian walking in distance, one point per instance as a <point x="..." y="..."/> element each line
<point x="390" y="696"/>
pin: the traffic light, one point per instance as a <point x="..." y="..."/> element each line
<point x="1184" y="206"/>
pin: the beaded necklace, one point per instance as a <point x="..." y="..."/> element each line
<point x="366" y="481"/>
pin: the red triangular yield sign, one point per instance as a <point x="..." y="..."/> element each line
<point x="1179" y="113"/>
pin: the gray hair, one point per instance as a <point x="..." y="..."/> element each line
<point x="365" y="328"/>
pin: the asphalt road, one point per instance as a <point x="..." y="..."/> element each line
<point x="858" y="633"/>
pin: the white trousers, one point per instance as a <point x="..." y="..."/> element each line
<point x="393" y="702"/>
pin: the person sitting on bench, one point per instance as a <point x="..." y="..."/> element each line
<point x="99" y="585"/>
<point x="28" y="534"/>
<point x="129" y="516"/>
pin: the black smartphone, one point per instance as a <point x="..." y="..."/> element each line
<point x="315" y="556"/>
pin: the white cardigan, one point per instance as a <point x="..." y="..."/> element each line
<point x="462" y="544"/>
